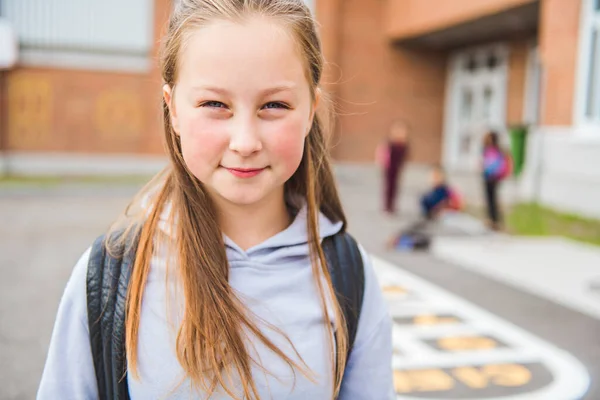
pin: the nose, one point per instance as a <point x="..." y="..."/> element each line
<point x="245" y="138"/>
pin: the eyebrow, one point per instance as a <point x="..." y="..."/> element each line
<point x="225" y="92"/>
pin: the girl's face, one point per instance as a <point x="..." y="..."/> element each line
<point x="398" y="133"/>
<point x="437" y="178"/>
<point x="242" y="108"/>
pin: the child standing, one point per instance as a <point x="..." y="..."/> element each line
<point x="391" y="156"/>
<point x="229" y="294"/>
<point x="496" y="167"/>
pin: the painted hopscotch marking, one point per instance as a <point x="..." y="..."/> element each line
<point x="448" y="348"/>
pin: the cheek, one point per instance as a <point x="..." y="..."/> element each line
<point x="288" y="145"/>
<point x="201" y="143"/>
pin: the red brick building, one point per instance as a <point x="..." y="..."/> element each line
<point x="454" y="69"/>
<point x="87" y="85"/>
<point x="412" y="58"/>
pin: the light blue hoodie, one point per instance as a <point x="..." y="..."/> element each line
<point x="275" y="281"/>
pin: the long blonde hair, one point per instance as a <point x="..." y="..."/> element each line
<point x="209" y="357"/>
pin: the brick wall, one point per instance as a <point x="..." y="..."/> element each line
<point x="376" y="82"/>
<point x="82" y="111"/>
<point x="517" y="75"/>
<point x="559" y="38"/>
<point x="405" y="18"/>
<point x="372" y="81"/>
<point x="62" y="110"/>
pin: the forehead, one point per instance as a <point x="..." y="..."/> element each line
<point x="255" y="51"/>
<point x="399" y="125"/>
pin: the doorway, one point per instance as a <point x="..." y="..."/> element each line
<point x="476" y="102"/>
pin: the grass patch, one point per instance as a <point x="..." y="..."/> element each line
<point x="535" y="220"/>
<point x="51" y="181"/>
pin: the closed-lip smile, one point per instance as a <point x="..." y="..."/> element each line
<point x="244" y="172"/>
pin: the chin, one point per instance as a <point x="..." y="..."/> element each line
<point x="242" y="197"/>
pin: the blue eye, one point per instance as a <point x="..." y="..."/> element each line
<point x="276" y="104"/>
<point x="213" y="104"/>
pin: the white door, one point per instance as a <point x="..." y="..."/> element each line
<point x="476" y="103"/>
<point x="533" y="85"/>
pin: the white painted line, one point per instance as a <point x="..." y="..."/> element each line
<point x="570" y="378"/>
<point x="66" y="164"/>
<point x="452" y="360"/>
<point x="556" y="269"/>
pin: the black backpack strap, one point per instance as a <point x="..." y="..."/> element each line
<point x="107" y="283"/>
<point x="108" y="280"/>
<point x="347" y="271"/>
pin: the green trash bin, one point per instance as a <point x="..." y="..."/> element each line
<point x="518" y="142"/>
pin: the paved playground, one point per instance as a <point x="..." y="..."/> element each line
<point x="463" y="328"/>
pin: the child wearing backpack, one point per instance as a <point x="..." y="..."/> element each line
<point x="232" y="275"/>
<point x="496" y="167"/>
<point x="438" y="199"/>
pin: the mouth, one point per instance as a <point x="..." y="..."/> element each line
<point x="245" y="172"/>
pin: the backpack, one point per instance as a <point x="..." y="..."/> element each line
<point x="507" y="167"/>
<point x="497" y="164"/>
<point x="415" y="237"/>
<point x="108" y="280"/>
<point x="455" y="201"/>
<point x="413" y="241"/>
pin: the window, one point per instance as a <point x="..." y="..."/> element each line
<point x="107" y="34"/>
<point x="592" y="109"/>
<point x="471" y="64"/>
<point x="488" y="103"/>
<point x="467" y="105"/>
<point x="590" y="63"/>
<point x="533" y="83"/>
<point x="311" y="5"/>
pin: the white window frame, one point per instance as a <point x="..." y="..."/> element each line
<point x="311" y="5"/>
<point x="452" y="99"/>
<point x="90" y="43"/>
<point x="590" y="20"/>
<point x="532" y="100"/>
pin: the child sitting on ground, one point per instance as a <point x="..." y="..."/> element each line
<point x="438" y="199"/>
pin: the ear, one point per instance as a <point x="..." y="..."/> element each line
<point x="315" y="105"/>
<point x="168" y="97"/>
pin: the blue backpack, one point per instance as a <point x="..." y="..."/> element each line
<point x="496" y="164"/>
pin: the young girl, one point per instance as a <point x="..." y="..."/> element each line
<point x="229" y="295"/>
<point x="496" y="167"/>
<point x="391" y="156"/>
